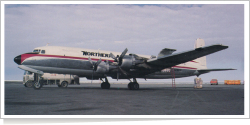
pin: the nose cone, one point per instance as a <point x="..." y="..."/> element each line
<point x="18" y="59"/>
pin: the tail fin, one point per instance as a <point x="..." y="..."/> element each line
<point x="202" y="60"/>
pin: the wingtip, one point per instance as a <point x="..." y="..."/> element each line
<point x="223" y="45"/>
<point x="231" y="69"/>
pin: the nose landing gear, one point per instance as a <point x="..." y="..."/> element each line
<point x="37" y="84"/>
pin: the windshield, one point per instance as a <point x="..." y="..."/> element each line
<point x="36" y="50"/>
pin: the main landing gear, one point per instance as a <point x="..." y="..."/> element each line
<point x="105" y="85"/>
<point x="133" y="85"/>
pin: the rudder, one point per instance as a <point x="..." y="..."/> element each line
<point x="202" y="60"/>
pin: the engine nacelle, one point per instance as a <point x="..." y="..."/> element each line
<point x="128" y="62"/>
<point x="102" y="68"/>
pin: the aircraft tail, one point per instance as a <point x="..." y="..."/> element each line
<point x="202" y="62"/>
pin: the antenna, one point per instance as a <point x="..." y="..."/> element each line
<point x="47" y="44"/>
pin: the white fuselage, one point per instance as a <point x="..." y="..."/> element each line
<point x="68" y="60"/>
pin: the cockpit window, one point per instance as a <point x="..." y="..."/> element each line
<point x="36" y="50"/>
<point x="43" y="51"/>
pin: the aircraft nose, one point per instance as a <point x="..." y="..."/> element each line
<point x="17" y="59"/>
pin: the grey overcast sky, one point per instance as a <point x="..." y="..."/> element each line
<point x="143" y="29"/>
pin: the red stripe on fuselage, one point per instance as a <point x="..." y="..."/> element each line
<point x="183" y="67"/>
<point x="25" y="56"/>
<point x="193" y="61"/>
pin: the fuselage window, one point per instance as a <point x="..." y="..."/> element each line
<point x="43" y="52"/>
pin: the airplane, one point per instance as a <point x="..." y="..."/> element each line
<point x="99" y="64"/>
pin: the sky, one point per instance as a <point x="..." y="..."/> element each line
<point x="143" y="29"/>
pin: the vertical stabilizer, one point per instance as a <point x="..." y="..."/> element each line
<point x="202" y="60"/>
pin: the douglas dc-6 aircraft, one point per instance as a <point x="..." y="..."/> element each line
<point x="99" y="64"/>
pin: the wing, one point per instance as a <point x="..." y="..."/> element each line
<point x="182" y="57"/>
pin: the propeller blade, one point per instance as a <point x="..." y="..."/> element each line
<point x="91" y="62"/>
<point x="117" y="76"/>
<point x="98" y="62"/>
<point x="92" y="76"/>
<point x="112" y="56"/>
<point x="123" y="53"/>
<point x="94" y="66"/>
<point x="124" y="72"/>
<point x="119" y="60"/>
<point x="121" y="56"/>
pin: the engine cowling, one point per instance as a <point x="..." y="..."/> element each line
<point x="127" y="62"/>
<point x="102" y="68"/>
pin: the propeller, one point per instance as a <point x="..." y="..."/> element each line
<point x="119" y="61"/>
<point x="94" y="66"/>
<point x="121" y="56"/>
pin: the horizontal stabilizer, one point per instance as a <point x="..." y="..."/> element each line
<point x="201" y="71"/>
<point x="182" y="57"/>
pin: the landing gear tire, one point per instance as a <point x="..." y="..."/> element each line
<point x="37" y="85"/>
<point x="133" y="86"/>
<point x="64" y="84"/>
<point x="28" y="84"/>
<point x="105" y="85"/>
<point x="130" y="86"/>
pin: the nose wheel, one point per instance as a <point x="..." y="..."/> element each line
<point x="38" y="83"/>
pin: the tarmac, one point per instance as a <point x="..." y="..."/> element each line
<point x="150" y="99"/>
